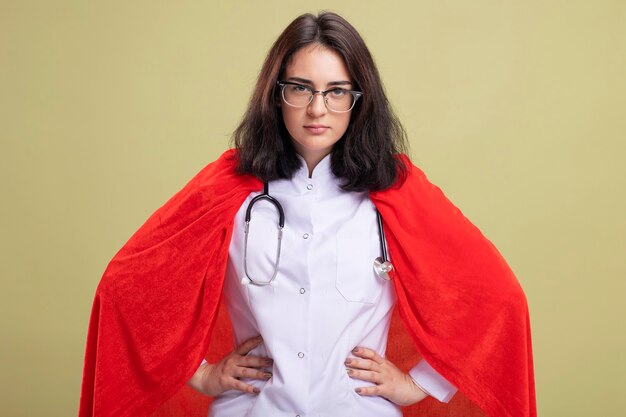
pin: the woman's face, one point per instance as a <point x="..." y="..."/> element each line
<point x="314" y="129"/>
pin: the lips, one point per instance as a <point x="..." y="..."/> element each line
<point x="316" y="129"/>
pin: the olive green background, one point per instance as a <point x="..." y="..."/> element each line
<point x="517" y="110"/>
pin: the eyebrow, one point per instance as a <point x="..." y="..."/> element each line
<point x="305" y="81"/>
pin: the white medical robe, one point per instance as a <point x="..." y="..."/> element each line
<point x="326" y="300"/>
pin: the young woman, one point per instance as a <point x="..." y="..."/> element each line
<point x="292" y="228"/>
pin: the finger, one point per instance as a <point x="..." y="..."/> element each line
<point x="370" y="376"/>
<point x="255" y="361"/>
<point x="242" y="386"/>
<point x="370" y="354"/>
<point x="252" y="373"/>
<point x="366" y="364"/>
<point x="248" y="345"/>
<point x="375" y="390"/>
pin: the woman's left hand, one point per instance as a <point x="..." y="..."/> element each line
<point x="391" y="382"/>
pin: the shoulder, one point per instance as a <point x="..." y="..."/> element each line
<point x="225" y="163"/>
<point x="222" y="176"/>
<point x="408" y="172"/>
<point x="411" y="183"/>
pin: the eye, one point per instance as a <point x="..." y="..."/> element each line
<point x="338" y="92"/>
<point x="299" y="89"/>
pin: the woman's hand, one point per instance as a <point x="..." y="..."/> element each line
<point x="214" y="379"/>
<point x="391" y="383"/>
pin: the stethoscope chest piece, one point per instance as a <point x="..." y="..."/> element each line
<point x="384" y="269"/>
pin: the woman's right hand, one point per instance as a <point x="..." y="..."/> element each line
<point x="214" y="378"/>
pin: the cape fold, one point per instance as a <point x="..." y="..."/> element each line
<point x="461" y="303"/>
<point x="156" y="304"/>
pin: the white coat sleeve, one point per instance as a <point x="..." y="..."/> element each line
<point x="431" y="382"/>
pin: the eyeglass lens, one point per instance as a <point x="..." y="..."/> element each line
<point x="300" y="96"/>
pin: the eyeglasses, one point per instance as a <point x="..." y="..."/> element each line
<point x="336" y="99"/>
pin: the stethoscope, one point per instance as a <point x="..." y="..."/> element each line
<point x="382" y="265"/>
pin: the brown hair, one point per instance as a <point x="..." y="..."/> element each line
<point x="366" y="155"/>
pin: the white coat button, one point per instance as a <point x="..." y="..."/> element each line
<point x="309" y="187"/>
<point x="305" y="236"/>
<point x="302" y="290"/>
<point x="300" y="355"/>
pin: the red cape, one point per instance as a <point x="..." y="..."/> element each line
<point x="156" y="306"/>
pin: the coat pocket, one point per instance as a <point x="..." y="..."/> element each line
<point x="356" y="279"/>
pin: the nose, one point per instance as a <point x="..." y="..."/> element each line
<point x="317" y="106"/>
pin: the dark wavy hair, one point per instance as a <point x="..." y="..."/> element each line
<point x="365" y="157"/>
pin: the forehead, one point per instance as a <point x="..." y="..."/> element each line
<point x="317" y="63"/>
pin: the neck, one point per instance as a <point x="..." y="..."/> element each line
<point x="313" y="159"/>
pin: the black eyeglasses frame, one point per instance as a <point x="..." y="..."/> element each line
<point x="355" y="94"/>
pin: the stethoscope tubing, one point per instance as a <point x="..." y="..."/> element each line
<point x="381" y="232"/>
<point x="382" y="265"/>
